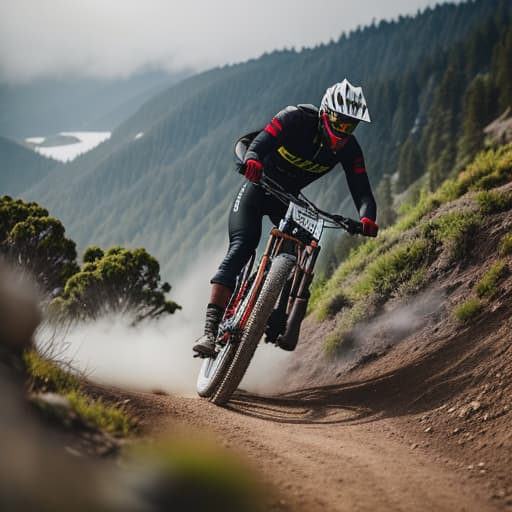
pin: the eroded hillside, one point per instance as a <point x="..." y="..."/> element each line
<point x="417" y="325"/>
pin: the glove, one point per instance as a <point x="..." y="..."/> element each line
<point x="253" y="170"/>
<point x="370" y="228"/>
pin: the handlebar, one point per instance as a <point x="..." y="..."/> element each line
<point x="335" y="221"/>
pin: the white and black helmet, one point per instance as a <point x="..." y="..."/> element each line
<point x="345" y="99"/>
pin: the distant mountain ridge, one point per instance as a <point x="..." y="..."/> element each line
<point x="21" y="168"/>
<point x="170" y="190"/>
<point x="43" y="107"/>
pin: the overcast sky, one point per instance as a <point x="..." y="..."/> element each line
<point x="56" y="38"/>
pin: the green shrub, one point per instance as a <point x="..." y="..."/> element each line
<point x="468" y="310"/>
<point x="506" y="245"/>
<point x="453" y="230"/>
<point x="119" y="280"/>
<point x="391" y="270"/>
<point x="494" y="202"/>
<point x="488" y="285"/>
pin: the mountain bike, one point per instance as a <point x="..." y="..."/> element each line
<point x="273" y="299"/>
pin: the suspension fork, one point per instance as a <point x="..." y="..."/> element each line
<point x="269" y="248"/>
<point x="299" y="296"/>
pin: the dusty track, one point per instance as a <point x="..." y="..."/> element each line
<point x="323" y="451"/>
<point x="425" y="427"/>
<point x="411" y="419"/>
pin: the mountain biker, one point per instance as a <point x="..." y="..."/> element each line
<point x="299" y="145"/>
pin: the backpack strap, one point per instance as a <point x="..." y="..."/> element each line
<point x="308" y="109"/>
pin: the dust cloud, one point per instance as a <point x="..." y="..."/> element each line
<point x="399" y="322"/>
<point x="156" y="355"/>
<point x="310" y="366"/>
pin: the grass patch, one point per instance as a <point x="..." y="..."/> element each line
<point x="316" y="291"/>
<point x="106" y="417"/>
<point x="389" y="266"/>
<point x="339" y="338"/>
<point x="454" y="231"/>
<point x="324" y="303"/>
<point x="488" y="285"/>
<point x="414" y="284"/>
<point x="468" y="310"/>
<point x="490" y="169"/>
<point x="410" y="214"/>
<point x="391" y="270"/>
<point x="395" y="272"/>
<point x="494" y="202"/>
<point x="49" y="375"/>
<point x="506" y="245"/>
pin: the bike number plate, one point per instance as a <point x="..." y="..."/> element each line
<point x="307" y="219"/>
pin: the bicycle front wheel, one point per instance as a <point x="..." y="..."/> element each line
<point x="276" y="278"/>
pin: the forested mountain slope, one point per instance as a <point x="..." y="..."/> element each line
<point x="20" y="167"/>
<point x="170" y="188"/>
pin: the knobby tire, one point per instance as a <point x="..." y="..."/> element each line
<point x="254" y="329"/>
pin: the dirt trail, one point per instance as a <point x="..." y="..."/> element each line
<point x="413" y="416"/>
<point x="423" y="427"/>
<point x="324" y="454"/>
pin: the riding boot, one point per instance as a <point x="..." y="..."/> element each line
<point x="205" y="345"/>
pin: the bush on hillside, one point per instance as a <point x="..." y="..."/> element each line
<point x="488" y="285"/>
<point x="506" y="245"/>
<point x="33" y="240"/>
<point x="494" y="202"/>
<point x="468" y="310"/>
<point x="120" y="281"/>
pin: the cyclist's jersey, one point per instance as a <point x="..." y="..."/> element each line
<point x="292" y="152"/>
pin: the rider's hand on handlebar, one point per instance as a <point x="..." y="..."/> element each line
<point x="253" y="170"/>
<point x="351" y="226"/>
<point x="370" y="228"/>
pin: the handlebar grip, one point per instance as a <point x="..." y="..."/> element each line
<point x="354" y="227"/>
<point x="350" y="225"/>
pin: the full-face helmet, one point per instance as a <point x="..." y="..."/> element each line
<point x="343" y="106"/>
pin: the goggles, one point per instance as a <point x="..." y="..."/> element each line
<point x="340" y="124"/>
<point x="336" y="138"/>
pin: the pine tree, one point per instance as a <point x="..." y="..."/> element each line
<point x="503" y="71"/>
<point x="475" y="118"/>
<point x="386" y="211"/>
<point x="410" y="165"/>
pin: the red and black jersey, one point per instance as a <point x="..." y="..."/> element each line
<point x="292" y="151"/>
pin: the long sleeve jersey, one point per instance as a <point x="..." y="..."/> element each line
<point x="292" y="152"/>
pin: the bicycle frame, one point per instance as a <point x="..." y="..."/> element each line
<point x="272" y="300"/>
<point x="292" y="303"/>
